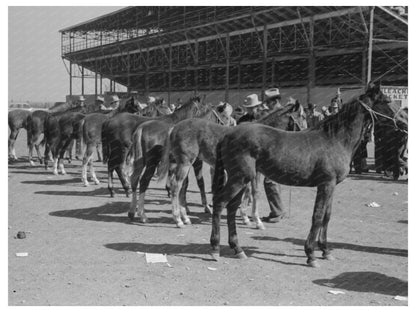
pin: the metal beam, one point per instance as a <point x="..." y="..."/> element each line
<point x="370" y="45"/>
<point x="244" y="31"/>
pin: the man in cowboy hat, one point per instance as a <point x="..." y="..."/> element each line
<point x="272" y="99"/>
<point x="251" y="105"/>
<point x="271" y="188"/>
<point x="114" y="103"/>
<point x="79" y="101"/>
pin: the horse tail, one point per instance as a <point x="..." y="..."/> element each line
<point x="219" y="172"/>
<point x="135" y="151"/>
<point x="104" y="143"/>
<point x="164" y="164"/>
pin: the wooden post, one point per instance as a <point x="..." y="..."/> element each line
<point x="70" y="78"/>
<point x="170" y="73"/>
<point x="370" y="45"/>
<point x="227" y="66"/>
<point x="82" y="80"/>
<point x="96" y="79"/>
<point x="263" y="88"/>
<point x="311" y="63"/>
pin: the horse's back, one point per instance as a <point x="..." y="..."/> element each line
<point x="304" y="158"/>
<point x="18" y="118"/>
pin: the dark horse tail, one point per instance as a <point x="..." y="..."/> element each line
<point x="164" y="164"/>
<point x="219" y="174"/>
<point x="104" y="143"/>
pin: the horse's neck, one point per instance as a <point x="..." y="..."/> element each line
<point x="350" y="129"/>
<point x="182" y="113"/>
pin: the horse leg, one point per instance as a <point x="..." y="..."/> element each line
<point x="230" y="196"/>
<point x="322" y="237"/>
<point x="323" y="198"/>
<point x="46" y="155"/>
<point x="134" y="181"/>
<point x="177" y="186"/>
<point x="110" y="182"/>
<point x="254" y="212"/>
<point x="69" y="150"/>
<point x="99" y="158"/>
<point x="245" y="202"/>
<point x="12" y="141"/>
<point x="200" y="180"/>
<point x="85" y="161"/>
<point x="144" y="184"/>
<point x="62" y="149"/>
<point x="123" y="180"/>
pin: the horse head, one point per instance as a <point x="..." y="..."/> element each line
<point x="132" y="105"/>
<point x="382" y="108"/>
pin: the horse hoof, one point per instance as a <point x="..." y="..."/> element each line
<point x="329" y="257"/>
<point x="32" y="163"/>
<point x="215" y="256"/>
<point x="241" y="255"/>
<point x="313" y="264"/>
<point x="131" y="216"/>
<point x="180" y="225"/>
<point x="187" y="221"/>
<point x="55" y="173"/>
<point x="97" y="182"/>
<point x="86" y="184"/>
<point x="208" y="209"/>
<point x="247" y="221"/>
<point x="260" y="226"/>
<point x="143" y="220"/>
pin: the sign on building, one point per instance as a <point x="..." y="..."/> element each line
<point x="396" y="94"/>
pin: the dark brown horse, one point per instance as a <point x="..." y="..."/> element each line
<point x="35" y="129"/>
<point x="194" y="140"/>
<point x="116" y="138"/>
<point x="149" y="142"/>
<point x="60" y="130"/>
<point x="91" y="134"/>
<point x="317" y="157"/>
<point x="17" y="120"/>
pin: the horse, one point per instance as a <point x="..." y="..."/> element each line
<point x="60" y="130"/>
<point x="316" y="157"/>
<point x="91" y="134"/>
<point x="35" y="128"/>
<point x="17" y="120"/>
<point x="149" y="141"/>
<point x="116" y="138"/>
<point x="193" y="141"/>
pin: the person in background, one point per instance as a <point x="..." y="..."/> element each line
<point x="114" y="104"/>
<point x="79" y="102"/>
<point x="225" y="111"/>
<point x="336" y="103"/>
<point x="99" y="101"/>
<point x="272" y="99"/>
<point x="325" y="111"/>
<point x="271" y="188"/>
<point x="172" y="107"/>
<point x="251" y="105"/>
<point x="313" y="117"/>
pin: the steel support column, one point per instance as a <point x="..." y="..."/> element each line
<point x="311" y="63"/>
<point x="370" y="45"/>
<point x="70" y="78"/>
<point x="265" y="41"/>
<point x="82" y="80"/>
<point x="227" y="67"/>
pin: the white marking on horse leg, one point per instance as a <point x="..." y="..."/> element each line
<point x="55" y="166"/>
<point x="84" y="174"/>
<point x="61" y="167"/>
<point x="244" y="205"/>
<point x="175" y="200"/>
<point x="133" y="206"/>
<point x="255" y="213"/>
<point x="92" y="171"/>
<point x="140" y="207"/>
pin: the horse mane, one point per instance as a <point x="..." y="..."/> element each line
<point x="182" y="111"/>
<point x="333" y="124"/>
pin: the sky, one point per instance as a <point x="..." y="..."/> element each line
<point x="36" y="70"/>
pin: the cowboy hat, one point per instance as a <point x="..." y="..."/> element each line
<point x="81" y="98"/>
<point x="251" y="100"/>
<point x="271" y="93"/>
<point x="114" y="98"/>
<point x="100" y="99"/>
<point x="151" y="99"/>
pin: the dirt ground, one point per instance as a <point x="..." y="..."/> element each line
<point x="83" y="250"/>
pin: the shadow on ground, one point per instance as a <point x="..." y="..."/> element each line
<point x="336" y="245"/>
<point x="367" y="282"/>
